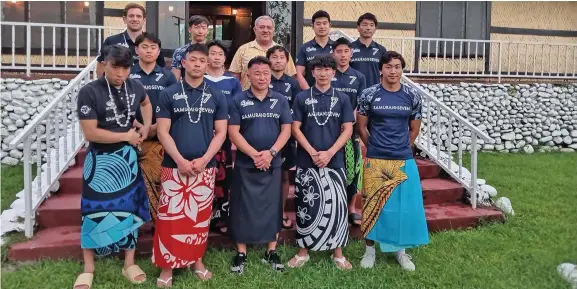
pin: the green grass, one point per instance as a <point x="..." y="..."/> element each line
<point x="522" y="253"/>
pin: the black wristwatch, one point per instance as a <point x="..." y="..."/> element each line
<point x="273" y="153"/>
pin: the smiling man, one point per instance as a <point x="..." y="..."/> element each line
<point x="366" y="52"/>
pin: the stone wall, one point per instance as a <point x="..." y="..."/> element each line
<point x="21" y="101"/>
<point x="518" y="117"/>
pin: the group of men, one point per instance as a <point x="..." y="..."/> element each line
<point x="161" y="141"/>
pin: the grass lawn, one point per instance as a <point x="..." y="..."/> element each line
<point x="522" y="253"/>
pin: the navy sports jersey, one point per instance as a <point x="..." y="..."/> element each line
<point x="389" y="114"/>
<point x="285" y="85"/>
<point x="228" y="84"/>
<point x="331" y="108"/>
<point x="124" y="40"/>
<point x="260" y="122"/>
<point x="350" y="82"/>
<point x="307" y="52"/>
<point x="155" y="82"/>
<point x="366" y="60"/>
<point x="192" y="127"/>
<point x="94" y="103"/>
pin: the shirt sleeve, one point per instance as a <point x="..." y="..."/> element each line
<point x="171" y="79"/>
<point x="233" y="113"/>
<point x="298" y="109"/>
<point x="164" y="107"/>
<point x="176" y="57"/>
<point x="296" y="89"/>
<point x="362" y="86"/>
<point x="301" y="57"/>
<point x="285" y="114"/>
<point x="417" y="106"/>
<point x="105" y="44"/>
<point x="221" y="112"/>
<point x="237" y="88"/>
<point x="346" y="110"/>
<point x="364" y="105"/>
<point x="290" y="68"/>
<point x="86" y="105"/>
<point x="236" y="64"/>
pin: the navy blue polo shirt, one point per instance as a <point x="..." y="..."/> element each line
<point x="350" y="82"/>
<point x="389" y="114"/>
<point x="94" y="103"/>
<point x="191" y="139"/>
<point x="155" y="82"/>
<point x="321" y="137"/>
<point x="287" y="86"/>
<point x="366" y="60"/>
<point x="124" y="40"/>
<point x="307" y="52"/>
<point x="260" y="122"/>
<point x="227" y="83"/>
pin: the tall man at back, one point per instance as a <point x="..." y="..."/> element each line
<point x="134" y="16"/>
<point x="366" y="52"/>
<point x="198" y="28"/>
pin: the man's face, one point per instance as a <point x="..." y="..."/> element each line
<point x="321" y="26"/>
<point x="216" y="57"/>
<point x="134" y="19"/>
<point x="198" y="32"/>
<point x="148" y="51"/>
<point x="195" y="64"/>
<point x="323" y="75"/>
<point x="342" y="55"/>
<point x="392" y="71"/>
<point x="116" y="75"/>
<point x="367" y="28"/>
<point x="264" y="30"/>
<point x="278" y="61"/>
<point x="259" y="76"/>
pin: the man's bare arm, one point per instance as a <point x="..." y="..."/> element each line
<point x="300" y="76"/>
<point x="415" y="128"/>
<point x="94" y="134"/>
<point x="163" y="132"/>
<point x="217" y="140"/>
<point x="343" y="138"/>
<point x="239" y="141"/>
<point x="300" y="138"/>
<point x="362" y="125"/>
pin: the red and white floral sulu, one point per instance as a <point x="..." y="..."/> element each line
<point x="184" y="212"/>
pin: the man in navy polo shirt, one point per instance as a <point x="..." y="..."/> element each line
<point x="322" y="124"/>
<point x="289" y="87"/>
<point x="321" y="44"/>
<point x="198" y="28"/>
<point x="134" y="16"/>
<point x="192" y="119"/>
<point x="352" y="83"/>
<point x="154" y="79"/>
<point x="366" y="52"/>
<point x="259" y="126"/>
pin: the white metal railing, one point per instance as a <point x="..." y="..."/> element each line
<point x="441" y="57"/>
<point x="438" y="117"/>
<point x="59" y="47"/>
<point x="56" y="127"/>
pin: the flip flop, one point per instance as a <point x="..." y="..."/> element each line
<point x="354" y="217"/>
<point x="203" y="274"/>
<point x="84" y="279"/>
<point x="132" y="272"/>
<point x="341" y="263"/>
<point x="284" y="220"/>
<point x="164" y="283"/>
<point x="299" y="261"/>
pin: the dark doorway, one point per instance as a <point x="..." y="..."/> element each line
<point x="232" y="22"/>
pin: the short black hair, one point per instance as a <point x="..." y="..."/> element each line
<point x="389" y="56"/>
<point x="342" y="41"/>
<point x="217" y="43"/>
<point x="147" y="36"/>
<point x="276" y="48"/>
<point x="367" y="16"/>
<point x="197" y="19"/>
<point x="133" y="6"/>
<point x="198" y="47"/>
<point x="322" y="62"/>
<point x="118" y="55"/>
<point x="258" y="60"/>
<point x="321" y="14"/>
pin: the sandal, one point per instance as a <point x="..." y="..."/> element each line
<point x="342" y="263"/>
<point x="286" y="220"/>
<point x="298" y="261"/>
<point x="353" y="217"/>
<point x="202" y="274"/>
<point x="84" y="279"/>
<point x="164" y="283"/>
<point x="132" y="272"/>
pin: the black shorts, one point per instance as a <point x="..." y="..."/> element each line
<point x="289" y="155"/>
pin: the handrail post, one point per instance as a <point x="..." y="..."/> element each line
<point x="474" y="171"/>
<point x="28" y="224"/>
<point x="28" y="48"/>
<point x="500" y="61"/>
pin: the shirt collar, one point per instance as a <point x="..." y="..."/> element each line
<point x="282" y="78"/>
<point x="347" y="72"/>
<point x="199" y="88"/>
<point x="137" y="69"/>
<point x="127" y="38"/>
<point x="251" y="95"/>
<point x="329" y="43"/>
<point x="317" y="92"/>
<point x="254" y="44"/>
<point x="372" y="45"/>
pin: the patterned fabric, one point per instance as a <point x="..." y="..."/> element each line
<point x="183" y="219"/>
<point x="249" y="51"/>
<point x="321" y="203"/>
<point x="114" y="202"/>
<point x="150" y="159"/>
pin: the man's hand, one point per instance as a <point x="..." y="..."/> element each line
<point x="263" y="163"/>
<point x="314" y="155"/>
<point x="133" y="138"/>
<point x="184" y="167"/>
<point x="199" y="164"/>
<point x="324" y="158"/>
<point x="144" y="130"/>
<point x="136" y="124"/>
<point x="152" y="131"/>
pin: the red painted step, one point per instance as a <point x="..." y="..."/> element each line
<point x="64" y="242"/>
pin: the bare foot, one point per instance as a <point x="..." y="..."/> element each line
<point x="165" y="279"/>
<point x="201" y="272"/>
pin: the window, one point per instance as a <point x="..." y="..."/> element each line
<point x="172" y="24"/>
<point x="452" y="20"/>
